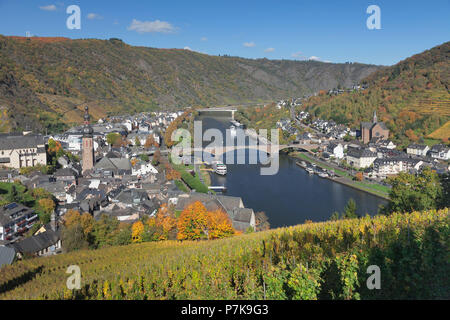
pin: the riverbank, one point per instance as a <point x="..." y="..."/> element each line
<point x="345" y="178"/>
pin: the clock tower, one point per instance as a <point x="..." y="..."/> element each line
<point x="87" y="143"/>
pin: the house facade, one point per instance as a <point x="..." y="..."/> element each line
<point x="15" y="219"/>
<point x="417" y="150"/>
<point x="440" y="151"/>
<point x="393" y="166"/>
<point x="19" y="151"/>
<point x="360" y="158"/>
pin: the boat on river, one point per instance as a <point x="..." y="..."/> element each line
<point x="219" y="168"/>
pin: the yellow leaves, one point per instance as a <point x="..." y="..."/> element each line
<point x="87" y="222"/>
<point x="71" y="218"/>
<point x="47" y="205"/>
<point x="137" y="229"/>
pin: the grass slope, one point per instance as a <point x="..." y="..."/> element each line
<point x="325" y="260"/>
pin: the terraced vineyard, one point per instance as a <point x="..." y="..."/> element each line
<point x="312" y="261"/>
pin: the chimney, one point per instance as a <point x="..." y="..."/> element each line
<point x="53" y="221"/>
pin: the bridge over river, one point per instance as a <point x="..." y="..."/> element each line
<point x="219" y="151"/>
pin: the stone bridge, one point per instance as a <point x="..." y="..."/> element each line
<point x="268" y="148"/>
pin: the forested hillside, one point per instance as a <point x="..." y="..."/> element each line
<point x="45" y="82"/>
<point x="412" y="97"/>
<point x="327" y="260"/>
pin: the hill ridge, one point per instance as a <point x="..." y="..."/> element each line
<point x="43" y="83"/>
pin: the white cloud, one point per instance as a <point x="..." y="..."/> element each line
<point x="314" y="58"/>
<point x="297" y="55"/>
<point x="151" y="26"/>
<point x="92" y="16"/>
<point x="269" y="50"/>
<point x="204" y="39"/>
<point x="50" y="7"/>
<point x="248" y="44"/>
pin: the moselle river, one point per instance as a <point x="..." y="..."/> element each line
<point x="292" y="195"/>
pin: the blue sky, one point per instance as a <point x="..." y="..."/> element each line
<point x="332" y="31"/>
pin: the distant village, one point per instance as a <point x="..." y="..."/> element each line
<point x="99" y="178"/>
<point x="366" y="148"/>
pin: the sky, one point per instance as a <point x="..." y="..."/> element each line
<point x="329" y="31"/>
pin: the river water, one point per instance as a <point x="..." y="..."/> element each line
<point x="292" y="195"/>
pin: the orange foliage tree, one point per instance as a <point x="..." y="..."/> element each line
<point x="219" y="225"/>
<point x="196" y="223"/>
<point x="71" y="218"/>
<point x="359" y="176"/>
<point x="165" y="219"/>
<point x="192" y="223"/>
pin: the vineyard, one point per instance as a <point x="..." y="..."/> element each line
<point x="326" y="260"/>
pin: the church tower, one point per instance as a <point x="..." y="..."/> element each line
<point x="87" y="143"/>
<point x="375" y="117"/>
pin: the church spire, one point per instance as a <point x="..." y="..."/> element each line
<point x="375" y="117"/>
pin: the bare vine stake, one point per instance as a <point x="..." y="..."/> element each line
<point x="264" y="285"/>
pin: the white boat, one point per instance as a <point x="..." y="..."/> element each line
<point x="233" y="131"/>
<point x="323" y="175"/>
<point x="310" y="171"/>
<point x="219" y="168"/>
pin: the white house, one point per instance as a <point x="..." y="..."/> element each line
<point x="393" y="166"/>
<point x="417" y="149"/>
<point x="440" y="151"/>
<point x="337" y="150"/>
<point x="360" y="158"/>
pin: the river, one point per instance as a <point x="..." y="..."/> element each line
<point x="292" y="195"/>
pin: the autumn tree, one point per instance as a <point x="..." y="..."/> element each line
<point x="166" y="220"/>
<point x="71" y="218"/>
<point x="219" y="225"/>
<point x="261" y="221"/>
<point x="192" y="223"/>
<point x="136" y="231"/>
<point x="46" y="205"/>
<point x="87" y="222"/>
<point x="150" y="142"/>
<point x="156" y="157"/>
<point x="359" y="176"/>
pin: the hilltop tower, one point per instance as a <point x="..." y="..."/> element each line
<point x="87" y="143"/>
<point x="375" y="116"/>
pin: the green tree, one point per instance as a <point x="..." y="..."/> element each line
<point x="350" y="210"/>
<point x="74" y="238"/>
<point x="412" y="192"/>
<point x="13" y="195"/>
<point x="113" y="138"/>
<point x="445" y="183"/>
